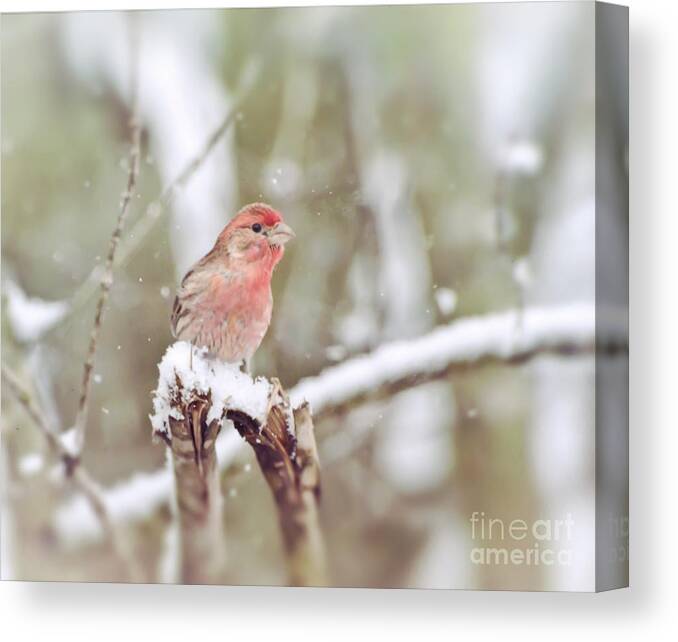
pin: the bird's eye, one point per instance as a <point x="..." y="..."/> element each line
<point x="256" y="228"/>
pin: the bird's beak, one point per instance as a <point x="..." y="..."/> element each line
<point x="280" y="234"/>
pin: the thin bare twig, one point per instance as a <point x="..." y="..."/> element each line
<point x="153" y="213"/>
<point x="90" y="489"/>
<point x="106" y="280"/>
<point x="37" y="416"/>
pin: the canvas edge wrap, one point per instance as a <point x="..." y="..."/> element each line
<point x="612" y="265"/>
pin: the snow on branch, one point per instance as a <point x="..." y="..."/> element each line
<point x="30" y="317"/>
<point x="509" y="336"/>
<point x="195" y="393"/>
<point x="184" y="376"/>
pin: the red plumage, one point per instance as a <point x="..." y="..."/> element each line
<point x="224" y="302"/>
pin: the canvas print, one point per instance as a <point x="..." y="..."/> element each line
<point x="330" y="296"/>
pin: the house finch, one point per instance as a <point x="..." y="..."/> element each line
<point x="224" y="302"/>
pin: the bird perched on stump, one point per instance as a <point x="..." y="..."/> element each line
<point x="224" y="303"/>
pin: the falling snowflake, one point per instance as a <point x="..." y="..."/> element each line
<point x="446" y="299"/>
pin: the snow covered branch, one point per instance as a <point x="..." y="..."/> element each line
<point x="92" y="493"/>
<point x="30" y="317"/>
<point x="506" y="337"/>
<point x="196" y="395"/>
<point x="186" y="373"/>
<point x="190" y="405"/>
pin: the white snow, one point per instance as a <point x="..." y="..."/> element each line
<point x="31" y="317"/>
<point x="69" y="440"/>
<point x="31" y="464"/>
<point x="446" y="300"/>
<point x="523" y="157"/>
<point x="228" y="386"/>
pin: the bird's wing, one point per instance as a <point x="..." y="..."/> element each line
<point x="200" y="288"/>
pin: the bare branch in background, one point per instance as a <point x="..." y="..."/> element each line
<point x="468" y="343"/>
<point x="106" y="280"/>
<point x="37" y="416"/>
<point x="92" y="492"/>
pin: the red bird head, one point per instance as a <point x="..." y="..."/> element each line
<point x="256" y="233"/>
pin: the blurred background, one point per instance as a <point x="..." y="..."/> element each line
<point x="435" y="162"/>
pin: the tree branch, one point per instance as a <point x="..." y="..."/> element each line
<point x="463" y="344"/>
<point x="90" y="489"/>
<point x="287" y="455"/>
<point x="106" y="280"/>
<point x="198" y="494"/>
